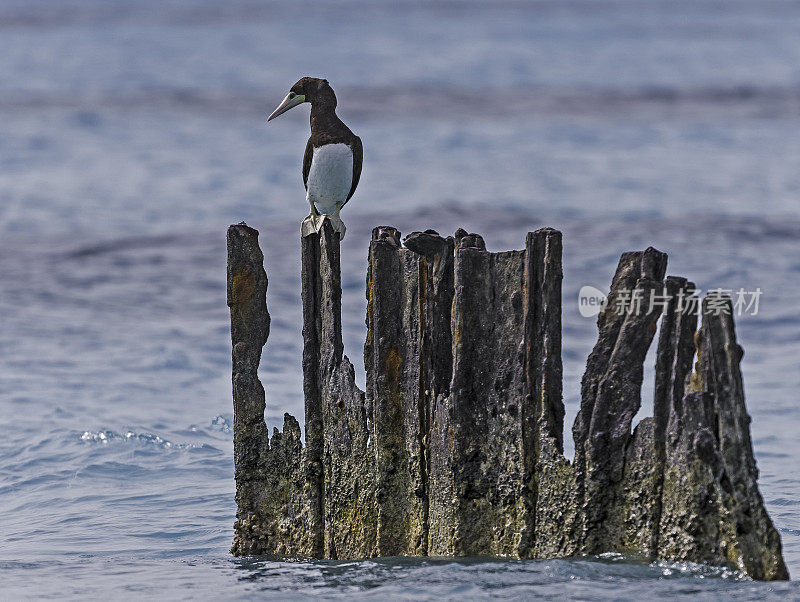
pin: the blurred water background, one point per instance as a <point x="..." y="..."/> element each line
<point x="133" y="132"/>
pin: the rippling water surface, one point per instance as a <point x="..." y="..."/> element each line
<point x="133" y="133"/>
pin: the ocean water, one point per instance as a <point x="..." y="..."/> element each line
<point x="133" y="132"/>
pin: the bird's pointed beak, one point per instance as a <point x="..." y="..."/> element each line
<point x="287" y="104"/>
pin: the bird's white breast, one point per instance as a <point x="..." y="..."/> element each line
<point x="330" y="176"/>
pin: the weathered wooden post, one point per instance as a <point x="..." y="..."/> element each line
<point x="247" y="288"/>
<point x="611" y="396"/>
<point x="339" y="468"/>
<point x="456" y="448"/>
<point x="712" y="510"/>
<point x="548" y="478"/>
<point x="430" y="391"/>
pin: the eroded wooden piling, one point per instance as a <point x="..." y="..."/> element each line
<point x="456" y="448"/>
<point x="247" y="289"/>
<point x="340" y="468"/>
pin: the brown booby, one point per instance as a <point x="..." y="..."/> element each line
<point x="332" y="161"/>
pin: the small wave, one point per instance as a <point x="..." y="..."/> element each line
<point x="108" y="436"/>
<point x="127" y="244"/>
<point x="374" y="102"/>
<point x="222" y="424"/>
<point x="699" y="571"/>
<point x="219" y="423"/>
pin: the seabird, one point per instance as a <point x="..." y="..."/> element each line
<point x="332" y="161"/>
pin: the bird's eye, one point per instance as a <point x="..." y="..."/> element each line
<point x="292" y="94"/>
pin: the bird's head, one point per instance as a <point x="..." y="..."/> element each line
<point x="307" y="89"/>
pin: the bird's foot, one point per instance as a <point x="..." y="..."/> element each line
<point x="313" y="223"/>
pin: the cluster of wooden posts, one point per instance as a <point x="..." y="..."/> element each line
<point x="456" y="446"/>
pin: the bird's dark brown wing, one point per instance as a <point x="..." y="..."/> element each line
<point x="358" y="157"/>
<point x="307" y="163"/>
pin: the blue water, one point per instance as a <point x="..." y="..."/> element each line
<point x="133" y="132"/>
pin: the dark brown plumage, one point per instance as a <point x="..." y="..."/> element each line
<point x="326" y="127"/>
